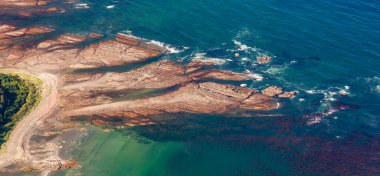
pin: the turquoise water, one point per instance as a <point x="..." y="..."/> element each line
<point x="319" y="48"/>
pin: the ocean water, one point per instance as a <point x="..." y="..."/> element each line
<point x="318" y="47"/>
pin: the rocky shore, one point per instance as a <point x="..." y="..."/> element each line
<point x="193" y="87"/>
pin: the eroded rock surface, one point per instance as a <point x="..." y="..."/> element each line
<point x="161" y="87"/>
<point x="203" y="98"/>
<point x="62" y="53"/>
<point x="272" y="91"/>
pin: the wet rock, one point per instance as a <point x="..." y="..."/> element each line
<point x="63" y="41"/>
<point x="53" y="9"/>
<point x="38" y="30"/>
<point x="272" y="91"/>
<point x="5" y="28"/>
<point x="198" y="63"/>
<point x="107" y="130"/>
<point x="94" y="35"/>
<point x="5" y="43"/>
<point x="70" y="39"/>
<point x="17" y="33"/>
<point x="128" y="39"/>
<point x="23" y="3"/>
<point x="205" y="98"/>
<point x="25" y="14"/>
<point x="7" y="31"/>
<point x="221" y="75"/>
<point x="290" y="94"/>
<point x="343" y="93"/>
<point x="264" y="59"/>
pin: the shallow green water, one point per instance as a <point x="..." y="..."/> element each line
<point x="122" y="152"/>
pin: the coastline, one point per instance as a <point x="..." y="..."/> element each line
<point x="17" y="148"/>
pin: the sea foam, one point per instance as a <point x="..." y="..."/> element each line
<point x="110" y="6"/>
<point x="81" y="6"/>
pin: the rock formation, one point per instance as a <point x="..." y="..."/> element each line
<point x="264" y="59"/>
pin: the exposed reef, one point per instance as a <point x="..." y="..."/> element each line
<point x="197" y="87"/>
<point x="23" y="3"/>
<point x="62" y="52"/>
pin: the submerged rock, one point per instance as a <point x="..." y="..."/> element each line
<point x="94" y="35"/>
<point x="290" y="94"/>
<point x="38" y="30"/>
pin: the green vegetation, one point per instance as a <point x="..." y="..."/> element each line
<point x="18" y="95"/>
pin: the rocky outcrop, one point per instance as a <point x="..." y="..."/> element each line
<point x="62" y="53"/>
<point x="23" y="3"/>
<point x="272" y="91"/>
<point x="8" y="31"/>
<point x="289" y="94"/>
<point x="221" y="75"/>
<point x="264" y="59"/>
<point x="204" y="98"/>
<point x="158" y="75"/>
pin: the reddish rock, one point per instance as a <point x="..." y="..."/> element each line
<point x="290" y="94"/>
<point x="197" y="63"/>
<point x="272" y="91"/>
<point x="5" y="43"/>
<point x="23" y="3"/>
<point x="220" y="75"/>
<point x="17" y="33"/>
<point x="25" y="14"/>
<point x="94" y="35"/>
<point x="264" y="59"/>
<point x="53" y="9"/>
<point x="6" y="28"/>
<point x="128" y="39"/>
<point x="38" y="30"/>
<point x="70" y="39"/>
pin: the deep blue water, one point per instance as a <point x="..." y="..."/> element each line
<point x="318" y="47"/>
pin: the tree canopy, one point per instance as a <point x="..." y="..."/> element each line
<point x="17" y="97"/>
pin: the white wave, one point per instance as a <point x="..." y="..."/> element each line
<point x="243" y="85"/>
<point x="373" y="83"/>
<point x="110" y="6"/>
<point x="278" y="105"/>
<point x="168" y="47"/>
<point x="203" y="57"/>
<point x="171" y="49"/>
<point x="311" y="91"/>
<point x="314" y="120"/>
<point x="375" y="79"/>
<point x="242" y="47"/>
<point x="277" y="69"/>
<point x="255" y="76"/>
<point x="245" y="59"/>
<point x="244" y="32"/>
<point x="81" y="6"/>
